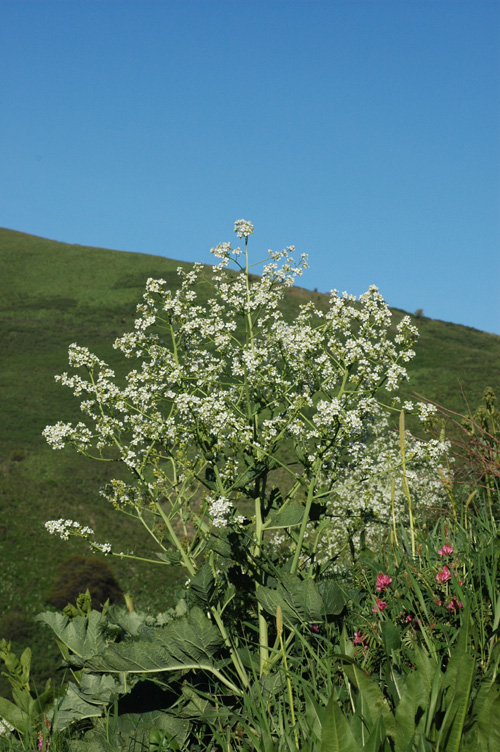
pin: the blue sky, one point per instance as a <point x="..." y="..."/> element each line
<point x="365" y="133"/>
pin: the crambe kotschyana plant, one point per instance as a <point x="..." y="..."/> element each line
<point x="234" y="423"/>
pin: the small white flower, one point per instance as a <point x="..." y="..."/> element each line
<point x="105" y="548"/>
<point x="242" y="228"/>
<point x="5" y="727"/>
<point x="219" y="510"/>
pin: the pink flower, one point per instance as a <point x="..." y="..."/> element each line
<point x="41" y="747"/>
<point x="359" y="638"/>
<point x="444" y="575"/>
<point x="380" y="605"/>
<point x="445" y="550"/>
<point x="383" y="581"/>
<point x="454" y="604"/>
<point x="314" y="628"/>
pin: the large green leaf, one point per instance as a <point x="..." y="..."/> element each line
<point x="376" y="739"/>
<point x="458" y="683"/>
<point x="85" y="701"/>
<point x="314" y="715"/>
<point x="487" y="709"/>
<point x="373" y="700"/>
<point x="300" y="600"/>
<point x="336" y="734"/>
<point x="334" y="598"/>
<point x="14" y="715"/>
<point x="145" y="731"/>
<point x="185" y="644"/>
<point x="287" y="516"/>
<point x="414" y="697"/>
<point x="82" y="636"/>
<point x="390" y="637"/>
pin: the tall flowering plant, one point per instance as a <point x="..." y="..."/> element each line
<point x="233" y="424"/>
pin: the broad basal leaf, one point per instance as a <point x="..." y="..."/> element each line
<point x="82" y="635"/>
<point x="185" y="644"/>
<point x="85" y="701"/>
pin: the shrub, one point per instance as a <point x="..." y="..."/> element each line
<point x="80" y="573"/>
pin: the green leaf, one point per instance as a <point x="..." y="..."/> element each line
<point x="131" y="622"/>
<point x="202" y="585"/>
<point x="255" y="471"/>
<point x="81" y="635"/>
<point x="372" y="696"/>
<point x="336" y="734"/>
<point x="314" y="717"/>
<point x="376" y="740"/>
<point x="14" y="715"/>
<point x="300" y="600"/>
<point x="413" y="697"/>
<point x="85" y="701"/>
<point x="458" y="680"/>
<point x="170" y="557"/>
<point x="135" y="725"/>
<point x="287" y="516"/>
<point x="185" y="644"/>
<point x="390" y="637"/>
<point x="23" y="700"/>
<point x="334" y="598"/>
<point x="487" y="710"/>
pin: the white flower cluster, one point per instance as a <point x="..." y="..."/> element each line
<point x="225" y="383"/>
<point x="66" y="528"/>
<point x="242" y="228"/>
<point x="371" y="482"/>
<point x="221" y="510"/>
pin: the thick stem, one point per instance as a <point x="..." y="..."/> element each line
<point x="175" y="540"/>
<point x="263" y="629"/>
<point x="240" y="669"/>
<point x="404" y="481"/>
<point x="305" y="518"/>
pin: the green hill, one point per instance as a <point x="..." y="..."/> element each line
<point x="53" y="294"/>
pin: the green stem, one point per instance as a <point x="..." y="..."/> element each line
<point x="175" y="540"/>
<point x="305" y="518"/>
<point x="234" y="655"/>
<point x="404" y="481"/>
<point x="263" y="629"/>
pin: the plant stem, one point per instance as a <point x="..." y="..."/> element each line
<point x="404" y="481"/>
<point x="305" y="518"/>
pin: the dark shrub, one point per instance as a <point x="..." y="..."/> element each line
<point x="15" y="626"/>
<point x="79" y="573"/>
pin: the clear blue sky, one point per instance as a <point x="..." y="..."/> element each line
<point x="366" y="133"/>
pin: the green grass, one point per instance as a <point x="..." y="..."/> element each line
<point x="52" y="294"/>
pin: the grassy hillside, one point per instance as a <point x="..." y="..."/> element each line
<point x="53" y="294"/>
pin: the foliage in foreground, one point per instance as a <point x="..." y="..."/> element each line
<point x="235" y="428"/>
<point x="408" y="661"/>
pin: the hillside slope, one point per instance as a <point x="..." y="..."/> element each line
<point x="53" y="294"/>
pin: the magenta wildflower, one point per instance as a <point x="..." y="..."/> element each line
<point x="379" y="605"/>
<point x="359" y="638"/>
<point x="383" y="581"/>
<point x="454" y="604"/>
<point x="443" y="575"/>
<point x="445" y="550"/>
